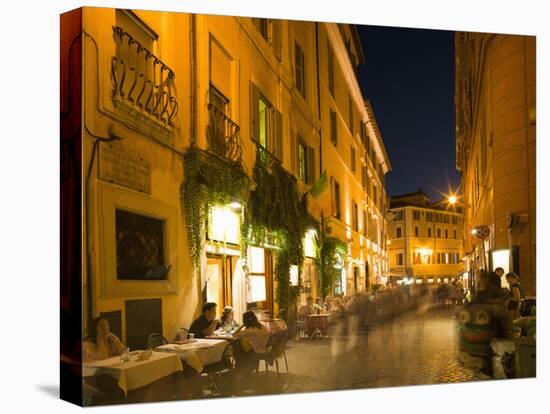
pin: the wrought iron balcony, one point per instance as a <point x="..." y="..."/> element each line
<point x="267" y="158"/>
<point x="223" y="135"/>
<point x="141" y="80"/>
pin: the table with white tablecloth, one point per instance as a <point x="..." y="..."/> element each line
<point x="199" y="353"/>
<point x="134" y="374"/>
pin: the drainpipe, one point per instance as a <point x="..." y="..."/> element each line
<point x="318" y="98"/>
<point x="193" y="76"/>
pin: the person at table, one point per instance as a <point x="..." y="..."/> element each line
<point x="228" y="323"/>
<point x="207" y="323"/>
<point x="319" y="306"/>
<point x="102" y="343"/>
<point x="328" y="303"/>
<point x="306" y="309"/>
<point x="251" y="340"/>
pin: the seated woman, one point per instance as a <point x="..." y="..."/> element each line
<point x="228" y="323"/>
<point x="101" y="343"/>
<point x="251" y="340"/>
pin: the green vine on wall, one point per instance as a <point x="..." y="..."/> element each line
<point x="209" y="180"/>
<point x="279" y="216"/>
<point x="332" y="252"/>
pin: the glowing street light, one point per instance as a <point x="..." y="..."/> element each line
<point x="452" y="199"/>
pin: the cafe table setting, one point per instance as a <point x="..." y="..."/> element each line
<point x="135" y="369"/>
<point x="197" y="353"/>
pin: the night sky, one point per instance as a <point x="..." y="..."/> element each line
<point x="409" y="80"/>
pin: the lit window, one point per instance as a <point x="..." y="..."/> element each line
<point x="309" y="244"/>
<point x="293" y="275"/>
<point x="263" y="118"/>
<point x="224" y="225"/>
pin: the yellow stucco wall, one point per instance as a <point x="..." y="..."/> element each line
<point x="247" y="56"/>
<point x="502" y="72"/>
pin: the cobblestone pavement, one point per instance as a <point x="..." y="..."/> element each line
<point x="414" y="349"/>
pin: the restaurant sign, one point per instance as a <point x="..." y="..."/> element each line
<point x="124" y="168"/>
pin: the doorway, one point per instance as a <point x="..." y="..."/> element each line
<point x="219" y="280"/>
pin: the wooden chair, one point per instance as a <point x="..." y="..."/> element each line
<point x="156" y="339"/>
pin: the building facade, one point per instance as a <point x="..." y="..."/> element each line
<point x="495" y="151"/>
<point x="186" y="119"/>
<point x="425" y="240"/>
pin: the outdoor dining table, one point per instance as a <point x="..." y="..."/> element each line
<point x="319" y="322"/>
<point x="134" y="374"/>
<point x="274" y="325"/>
<point x="199" y="353"/>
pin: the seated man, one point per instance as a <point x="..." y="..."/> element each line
<point x="306" y="309"/>
<point x="207" y="323"/>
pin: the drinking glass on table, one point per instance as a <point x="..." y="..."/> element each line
<point x="125" y="355"/>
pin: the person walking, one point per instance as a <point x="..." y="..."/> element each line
<point x="514" y="296"/>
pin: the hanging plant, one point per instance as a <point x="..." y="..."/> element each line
<point x="208" y="180"/>
<point x="278" y="217"/>
<point x="333" y="253"/>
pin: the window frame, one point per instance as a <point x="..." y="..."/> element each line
<point x="299" y="69"/>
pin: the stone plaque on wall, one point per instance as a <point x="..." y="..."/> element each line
<point x="124" y="168"/>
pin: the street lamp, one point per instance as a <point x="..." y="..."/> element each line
<point x="452" y="199"/>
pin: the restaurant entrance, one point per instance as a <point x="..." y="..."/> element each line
<point x="219" y="279"/>
<point x="260" y="280"/>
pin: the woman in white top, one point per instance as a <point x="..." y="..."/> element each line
<point x="102" y="343"/>
<point x="251" y="340"/>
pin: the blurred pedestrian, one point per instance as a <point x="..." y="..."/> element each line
<point x="495" y="278"/>
<point x="515" y="295"/>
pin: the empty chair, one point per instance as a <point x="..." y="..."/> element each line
<point x="156" y="339"/>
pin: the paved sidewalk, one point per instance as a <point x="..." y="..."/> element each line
<point x="414" y="349"/>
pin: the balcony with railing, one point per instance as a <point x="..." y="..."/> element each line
<point x="143" y="85"/>
<point x="223" y="135"/>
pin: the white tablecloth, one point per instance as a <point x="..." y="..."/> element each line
<point x="198" y="354"/>
<point x="134" y="374"/>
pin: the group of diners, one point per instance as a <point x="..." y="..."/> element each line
<point x="249" y="340"/>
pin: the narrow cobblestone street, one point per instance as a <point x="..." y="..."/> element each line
<point x="414" y="349"/>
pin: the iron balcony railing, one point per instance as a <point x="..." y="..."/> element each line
<point x="142" y="80"/>
<point x="223" y="135"/>
<point x="267" y="158"/>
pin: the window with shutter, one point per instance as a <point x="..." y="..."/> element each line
<point x="254" y="112"/>
<point x="277" y="147"/>
<point x="355" y="216"/>
<point x="294" y="154"/>
<point x="263" y="26"/>
<point x="350" y="111"/>
<point x="352" y="154"/>
<point x="276" y="32"/>
<point x="336" y="198"/>
<point x="302" y="160"/>
<point x="310" y="163"/>
<point x="333" y="128"/>
<point x="330" y="59"/>
<point x="299" y="67"/>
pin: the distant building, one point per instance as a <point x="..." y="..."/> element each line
<point x="425" y="239"/>
<point x="495" y="150"/>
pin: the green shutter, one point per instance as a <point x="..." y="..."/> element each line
<point x="310" y="165"/>
<point x="254" y="112"/>
<point x="278" y="134"/>
<point x="276" y="33"/>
